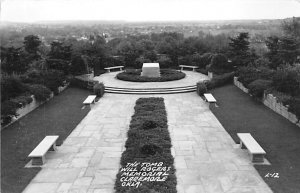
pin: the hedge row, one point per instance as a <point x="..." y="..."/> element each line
<point x="83" y="82"/>
<point x="148" y="141"/>
<point x="165" y="75"/>
<point x="16" y="94"/>
<point x="216" y="81"/>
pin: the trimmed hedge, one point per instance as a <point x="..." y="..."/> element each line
<point x="201" y="88"/>
<point x="148" y="141"/>
<point x="165" y="75"/>
<point x="99" y="89"/>
<point x="220" y="80"/>
<point x="83" y="82"/>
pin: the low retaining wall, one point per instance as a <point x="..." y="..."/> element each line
<point x="33" y="105"/>
<point x="240" y="85"/>
<point x="270" y="101"/>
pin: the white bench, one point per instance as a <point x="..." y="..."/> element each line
<point x="89" y="100"/>
<point x="185" y="66"/>
<point x="210" y="99"/>
<point x="47" y="144"/>
<point x="256" y="151"/>
<point x="114" y="67"/>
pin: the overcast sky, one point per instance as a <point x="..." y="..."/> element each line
<point x="147" y="10"/>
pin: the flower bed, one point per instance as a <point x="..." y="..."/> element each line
<point x="147" y="163"/>
<point x="165" y="75"/>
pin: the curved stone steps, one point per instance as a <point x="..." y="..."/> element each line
<point x="170" y="90"/>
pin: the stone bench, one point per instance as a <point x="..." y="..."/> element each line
<point x="256" y="151"/>
<point x="89" y="100"/>
<point x="210" y="99"/>
<point x="38" y="154"/>
<point x="114" y="67"/>
<point x="185" y="66"/>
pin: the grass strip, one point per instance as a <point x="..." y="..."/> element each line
<point x="147" y="163"/>
<point x="59" y="116"/>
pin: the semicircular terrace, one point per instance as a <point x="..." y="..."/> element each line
<point x="114" y="85"/>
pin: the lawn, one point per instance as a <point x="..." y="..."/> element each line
<point x="59" y="116"/>
<point x="238" y="112"/>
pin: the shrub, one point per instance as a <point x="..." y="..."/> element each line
<point x="150" y="145"/>
<point x="99" y="89"/>
<point x="201" y="88"/>
<point x="165" y="62"/>
<point x="150" y="149"/>
<point x="11" y="86"/>
<point x="165" y="75"/>
<point x="287" y="80"/>
<point x="257" y="87"/>
<point x="22" y="100"/>
<point x="220" y="80"/>
<point x="52" y="79"/>
<point x="83" y="82"/>
<point x="202" y="70"/>
<point x="8" y="111"/>
<point x="294" y="106"/>
<point x="247" y="74"/>
<point x="219" y="64"/>
<point x="204" y="60"/>
<point x="40" y="92"/>
<point x="280" y="97"/>
<point x="149" y="124"/>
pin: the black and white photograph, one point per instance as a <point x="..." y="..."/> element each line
<point x="150" y="96"/>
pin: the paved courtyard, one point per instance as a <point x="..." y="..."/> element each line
<point x="206" y="158"/>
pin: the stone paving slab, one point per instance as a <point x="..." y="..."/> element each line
<point x="206" y="158"/>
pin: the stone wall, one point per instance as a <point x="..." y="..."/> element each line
<point x="240" y="85"/>
<point x="270" y="101"/>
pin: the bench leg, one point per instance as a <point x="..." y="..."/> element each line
<point x="257" y="158"/>
<point x="193" y="69"/>
<point x="53" y="147"/>
<point x="38" y="161"/>
<point x="242" y="145"/>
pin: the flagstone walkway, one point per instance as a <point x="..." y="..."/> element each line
<point x="206" y="158"/>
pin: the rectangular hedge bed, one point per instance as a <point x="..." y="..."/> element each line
<point x="147" y="163"/>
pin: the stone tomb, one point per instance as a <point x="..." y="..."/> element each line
<point x="150" y="70"/>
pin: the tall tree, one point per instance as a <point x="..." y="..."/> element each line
<point x="12" y="60"/>
<point x="239" y="51"/>
<point x="31" y="46"/>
